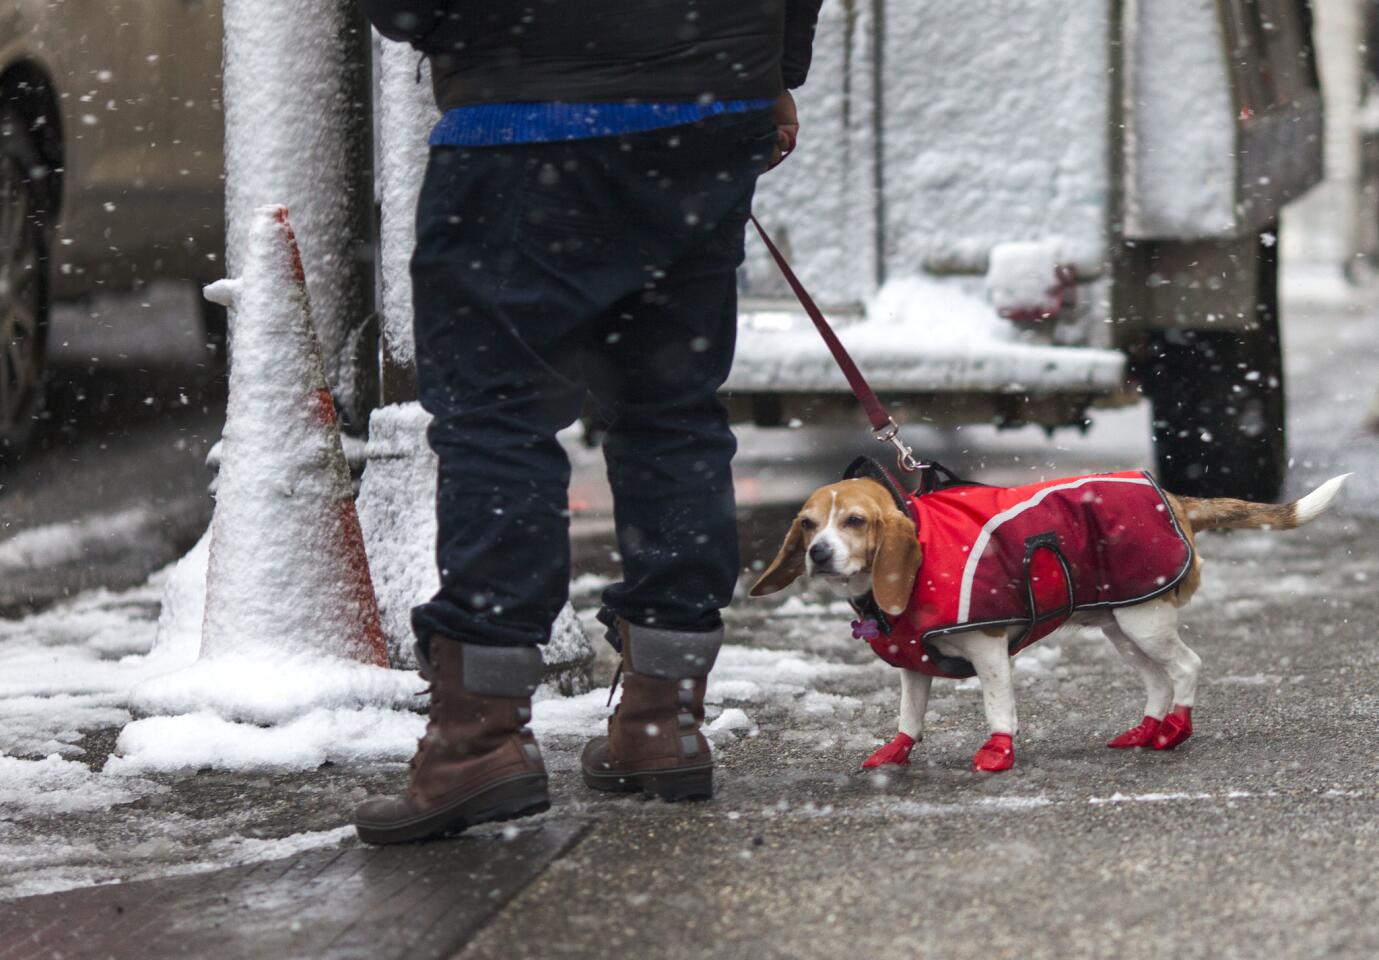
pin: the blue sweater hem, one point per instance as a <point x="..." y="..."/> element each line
<point x="496" y="124"/>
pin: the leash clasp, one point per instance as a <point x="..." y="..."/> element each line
<point x="904" y="455"/>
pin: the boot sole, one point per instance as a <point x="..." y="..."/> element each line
<point x="510" y="799"/>
<point x="692" y="783"/>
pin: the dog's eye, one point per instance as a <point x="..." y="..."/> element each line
<point x="854" y="521"/>
<point x="807" y="524"/>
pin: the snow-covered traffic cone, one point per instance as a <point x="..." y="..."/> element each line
<point x="287" y="568"/>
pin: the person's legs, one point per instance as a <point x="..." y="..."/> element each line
<point x="664" y="353"/>
<point x="495" y="348"/>
<point x="543" y="267"/>
<point x="669" y="448"/>
<point x="505" y="295"/>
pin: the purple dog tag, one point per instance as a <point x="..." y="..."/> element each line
<point x="865" y="630"/>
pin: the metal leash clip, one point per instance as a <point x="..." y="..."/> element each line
<point x="904" y="456"/>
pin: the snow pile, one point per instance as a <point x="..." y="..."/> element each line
<point x="397" y="514"/>
<point x="182" y="609"/>
<point x="248" y="688"/>
<point x="356" y="733"/>
<point x="1038" y="659"/>
<point x="728" y="724"/>
<point x="248" y="685"/>
<point x="585" y="715"/>
<point x="88" y="663"/>
<point x="69" y="669"/>
<point x="749" y="673"/>
<point x="368" y="735"/>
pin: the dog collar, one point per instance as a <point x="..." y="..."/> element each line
<point x="870" y="617"/>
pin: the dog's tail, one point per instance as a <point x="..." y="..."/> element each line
<point x="1241" y="514"/>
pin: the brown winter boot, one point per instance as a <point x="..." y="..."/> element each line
<point x="478" y="762"/>
<point x="653" y="743"/>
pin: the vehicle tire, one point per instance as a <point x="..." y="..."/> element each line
<point x="23" y="283"/>
<point x="1218" y="401"/>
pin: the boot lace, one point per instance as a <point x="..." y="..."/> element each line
<point x="613" y="687"/>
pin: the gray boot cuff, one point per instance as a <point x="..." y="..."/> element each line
<point x="501" y="671"/>
<point x="671" y="654"/>
<point x="490" y="671"/>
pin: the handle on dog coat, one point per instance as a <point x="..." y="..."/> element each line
<point x="883" y="426"/>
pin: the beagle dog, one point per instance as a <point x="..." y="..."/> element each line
<point x="853" y="535"/>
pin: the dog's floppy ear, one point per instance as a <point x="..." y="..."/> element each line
<point x="786" y="568"/>
<point x="896" y="564"/>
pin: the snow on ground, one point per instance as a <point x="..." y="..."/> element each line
<point x="256" y="689"/>
<point x="1166" y="797"/>
<point x="791" y="680"/>
<point x="82" y="668"/>
<point x="70" y="668"/>
<point x="55" y="785"/>
<point x="791" y="676"/>
<point x="742" y="675"/>
<point x="192" y="741"/>
<point x="58" y="543"/>
<point x="98" y="663"/>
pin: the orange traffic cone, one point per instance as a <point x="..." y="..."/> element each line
<point x="287" y="570"/>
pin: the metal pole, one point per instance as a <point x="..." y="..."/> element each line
<point x="298" y="132"/>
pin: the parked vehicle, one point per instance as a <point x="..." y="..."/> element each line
<point x="110" y="164"/>
<point x="1022" y="212"/>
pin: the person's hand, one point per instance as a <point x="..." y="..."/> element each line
<point x="787" y="127"/>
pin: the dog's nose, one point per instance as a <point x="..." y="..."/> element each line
<point x="821" y="553"/>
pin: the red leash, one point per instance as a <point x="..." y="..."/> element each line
<point x="883" y="426"/>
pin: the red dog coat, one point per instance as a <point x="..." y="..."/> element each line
<point x="1001" y="556"/>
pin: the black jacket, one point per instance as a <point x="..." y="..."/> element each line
<point x="495" y="51"/>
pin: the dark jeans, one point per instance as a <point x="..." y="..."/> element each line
<point x="545" y="272"/>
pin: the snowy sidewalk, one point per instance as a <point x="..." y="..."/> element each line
<point x="1257" y="838"/>
<point x="1259" y="832"/>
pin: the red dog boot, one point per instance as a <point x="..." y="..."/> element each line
<point x="1141" y="736"/>
<point x="1176" y="728"/>
<point x="897" y="752"/>
<point x="996" y="754"/>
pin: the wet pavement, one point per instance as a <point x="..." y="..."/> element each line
<point x="1257" y="838"/>
<point x="358" y="903"/>
<point x="114" y="484"/>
